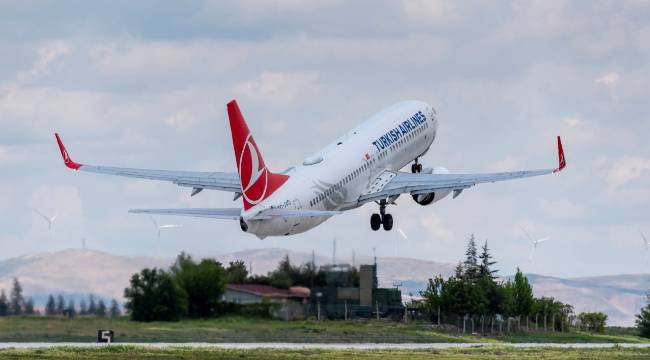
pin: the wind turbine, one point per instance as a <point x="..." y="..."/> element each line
<point x="645" y="243"/>
<point x="159" y="228"/>
<point x="401" y="232"/>
<point x="534" y="242"/>
<point x="49" y="220"/>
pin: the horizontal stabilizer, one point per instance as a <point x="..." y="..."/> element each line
<point x="226" y="214"/>
<point x="235" y="213"/>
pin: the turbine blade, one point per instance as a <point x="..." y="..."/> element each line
<point x="43" y="216"/>
<point x="402" y="233"/>
<point x="526" y="233"/>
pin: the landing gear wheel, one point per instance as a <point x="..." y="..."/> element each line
<point x="416" y="168"/>
<point x="375" y="222"/>
<point x="387" y="221"/>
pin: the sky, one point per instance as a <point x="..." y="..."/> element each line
<point x="144" y="84"/>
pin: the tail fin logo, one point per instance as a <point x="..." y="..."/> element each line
<point x="253" y="173"/>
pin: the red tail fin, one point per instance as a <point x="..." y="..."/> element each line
<point x="560" y="154"/>
<point x="257" y="182"/>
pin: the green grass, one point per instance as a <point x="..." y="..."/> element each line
<point x="131" y="353"/>
<point x="241" y="329"/>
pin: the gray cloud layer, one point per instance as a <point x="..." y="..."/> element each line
<point x="147" y="87"/>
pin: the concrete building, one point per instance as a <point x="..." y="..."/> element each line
<point x="342" y="298"/>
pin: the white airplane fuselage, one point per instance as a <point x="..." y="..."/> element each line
<point x="335" y="177"/>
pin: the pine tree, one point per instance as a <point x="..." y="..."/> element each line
<point x="83" y="308"/>
<point x="4" y="304"/>
<point x="471" y="260"/>
<point x="16" y="301"/>
<point x="92" y="305"/>
<point x="643" y="319"/>
<point x="70" y="309"/>
<point x="459" y="271"/>
<point x="50" y="306"/>
<point x="29" y="307"/>
<point x="60" y="304"/>
<point x="101" y="308"/>
<point x="485" y="268"/>
<point x="115" y="309"/>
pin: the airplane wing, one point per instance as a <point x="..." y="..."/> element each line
<point x="391" y="183"/>
<point x="235" y="213"/>
<point x="195" y="179"/>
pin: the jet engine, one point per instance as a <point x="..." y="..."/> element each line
<point x="430" y="198"/>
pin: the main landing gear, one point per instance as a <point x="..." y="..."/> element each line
<point x="416" y="167"/>
<point x="377" y="220"/>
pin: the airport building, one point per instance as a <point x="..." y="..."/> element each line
<point x="344" y="299"/>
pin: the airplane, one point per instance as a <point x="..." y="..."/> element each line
<point x="363" y="166"/>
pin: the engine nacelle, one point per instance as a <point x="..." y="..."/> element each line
<point x="430" y="198"/>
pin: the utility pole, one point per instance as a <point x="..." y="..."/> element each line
<point x="377" y="308"/>
<point x="345" y="304"/>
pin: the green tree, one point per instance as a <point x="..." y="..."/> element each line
<point x="101" y="308"/>
<point x="643" y="319"/>
<point x="29" y="307"/>
<point x="153" y="295"/>
<point x="470" y="264"/>
<point x="4" y="304"/>
<point x="282" y="276"/>
<point x="60" y="304"/>
<point x="593" y="321"/>
<point x="204" y="283"/>
<point x="485" y="267"/>
<point x="523" y="294"/>
<point x="508" y="304"/>
<point x="70" y="310"/>
<point x="432" y="296"/>
<point x="236" y="272"/>
<point x="83" y="307"/>
<point x="92" y="305"/>
<point x="50" y="306"/>
<point x="115" y="309"/>
<point x="16" y="300"/>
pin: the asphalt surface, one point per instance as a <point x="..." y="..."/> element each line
<point x="330" y="346"/>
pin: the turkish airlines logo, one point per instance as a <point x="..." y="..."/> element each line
<point x="253" y="174"/>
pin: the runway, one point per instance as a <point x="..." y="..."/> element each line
<point x="328" y="346"/>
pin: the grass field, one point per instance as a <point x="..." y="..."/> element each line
<point x="131" y="353"/>
<point x="240" y="329"/>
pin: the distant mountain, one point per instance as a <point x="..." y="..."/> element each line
<point x="77" y="273"/>
<point x="619" y="296"/>
<point x="80" y="273"/>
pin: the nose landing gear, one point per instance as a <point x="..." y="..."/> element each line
<point x="381" y="219"/>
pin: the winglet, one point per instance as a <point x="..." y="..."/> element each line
<point x="66" y="158"/>
<point x="560" y="152"/>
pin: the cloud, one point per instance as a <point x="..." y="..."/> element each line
<point x="608" y="79"/>
<point x="626" y="169"/>
<point x="279" y="87"/>
<point x="5" y="157"/>
<point x="47" y="52"/>
<point x="180" y="120"/>
<point x="562" y="208"/>
<point x="436" y="226"/>
<point x="510" y="163"/>
<point x="436" y="13"/>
